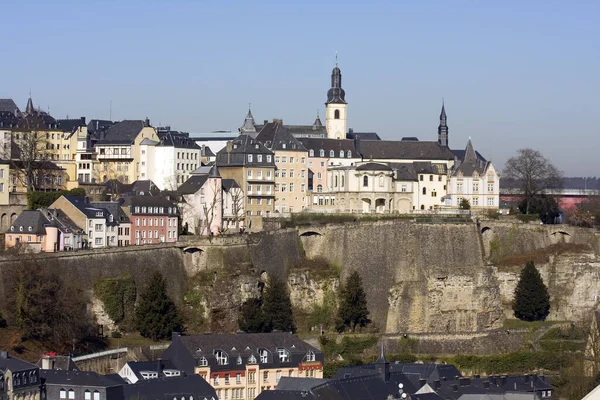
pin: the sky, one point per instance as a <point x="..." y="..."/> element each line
<point x="512" y="73"/>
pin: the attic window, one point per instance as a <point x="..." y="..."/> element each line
<point x="310" y="356"/>
<point x="256" y="146"/>
<point x="239" y="360"/>
<point x="283" y="145"/>
<point x="252" y="359"/>
<point x="98" y="213"/>
<point x="202" y="362"/>
<point x="20" y="229"/>
<point x="30" y="229"/>
<point x="12" y="228"/>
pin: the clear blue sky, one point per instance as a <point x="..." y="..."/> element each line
<point x="513" y="73"/>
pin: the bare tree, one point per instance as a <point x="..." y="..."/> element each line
<point x="210" y="207"/>
<point x="236" y="196"/>
<point x="534" y="172"/>
<point x="28" y="153"/>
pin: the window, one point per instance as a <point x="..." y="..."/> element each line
<point x="475" y="201"/>
<point x="381" y="181"/>
<point x="227" y="379"/>
<point x="365" y="181"/>
<point x="284" y="354"/>
<point x="430" y="178"/>
<point x="476" y="187"/>
<point x="310" y="356"/>
<point x="424" y="190"/>
<point x="311" y="153"/>
<point x="459" y="187"/>
<point x="62" y="394"/>
<point x="336" y="114"/>
<point x="202" y="362"/>
<point x="259" y="158"/>
<point x="268" y="159"/>
<point x="403" y="189"/>
<point x="249" y="157"/>
<point x="291" y="187"/>
<point x="278" y="376"/>
<point x="259" y="174"/>
<point x="238" y="378"/>
<point x="250" y="200"/>
<point x="251" y="360"/>
<point x="420" y="177"/>
<point x="490" y="187"/>
<point x="490" y="201"/>
<point x="249" y="189"/>
<point x="321" y="153"/>
<point x="221" y="356"/>
<point x="319" y="188"/>
<point x="269" y="174"/>
<point x="331" y="153"/>
<point x="264" y="356"/>
<point x="216" y="380"/>
<point x="249" y="174"/>
<point x="283" y="173"/>
<point x="291" y="173"/>
<point x="71" y="394"/>
<point x="87" y="395"/>
<point x="319" y="175"/>
<point x="265" y="376"/>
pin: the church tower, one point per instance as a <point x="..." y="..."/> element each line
<point x="335" y="107"/>
<point x="443" y="128"/>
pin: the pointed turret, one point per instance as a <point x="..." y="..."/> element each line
<point x="214" y="172"/>
<point x="249" y="126"/>
<point x="443" y="128"/>
<point x="383" y="365"/>
<point x="29" y="109"/>
<point x="470" y="156"/>
<point x="317" y="123"/>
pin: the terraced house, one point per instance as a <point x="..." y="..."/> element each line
<point x="241" y="366"/>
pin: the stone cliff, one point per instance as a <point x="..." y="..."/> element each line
<point x="444" y="278"/>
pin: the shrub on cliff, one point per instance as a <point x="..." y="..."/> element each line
<point x="156" y="314"/>
<point x="532" y="301"/>
<point x="277" y="307"/>
<point x="353" y="309"/>
<point x="251" y="319"/>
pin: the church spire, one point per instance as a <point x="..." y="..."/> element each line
<point x="249" y="127"/>
<point x="443" y="128"/>
<point x="29" y="109"/>
<point x="336" y="94"/>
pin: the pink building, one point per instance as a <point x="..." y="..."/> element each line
<point x="154" y="219"/>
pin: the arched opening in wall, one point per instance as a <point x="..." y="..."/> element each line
<point x="380" y="205"/>
<point x="561" y="233"/>
<point x="311" y="233"/>
<point x="336" y="114"/>
<point x="13" y="216"/>
<point x="4" y="222"/>
<point x="366" y="205"/>
<point x="485" y="229"/>
<point x="193" y="250"/>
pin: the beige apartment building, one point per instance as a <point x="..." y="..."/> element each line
<point x="241" y="366"/>
<point x="248" y="162"/>
<point x="118" y="153"/>
<point x="291" y="173"/>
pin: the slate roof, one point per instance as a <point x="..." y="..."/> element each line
<point x="336" y="145"/>
<point x="30" y="218"/>
<point x="99" y="125"/>
<point x="62" y="221"/>
<point x="408" y="150"/>
<point x="176" y="139"/>
<point x="64" y="363"/>
<point x="289" y="383"/>
<point x="470" y="162"/>
<point x="123" y="132"/>
<point x="238" y="156"/>
<point x="249" y="127"/>
<point x="14" y="364"/>
<point x="373" y="167"/>
<point x="193" y="184"/>
<point x="9" y="105"/>
<point x="155" y="366"/>
<point x="114" y="208"/>
<point x="229" y="184"/>
<point x="169" y="388"/>
<point x="79" y="378"/>
<point x="144" y="187"/>
<point x="362" y="135"/>
<point x="147" y="201"/>
<point x="404" y="171"/>
<point x="70" y="125"/>
<point x="276" y="137"/>
<point x="206" y="151"/>
<point x="82" y="203"/>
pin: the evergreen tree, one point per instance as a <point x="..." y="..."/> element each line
<point x="277" y="307"/>
<point x="156" y="314"/>
<point x="353" y="310"/>
<point x="532" y="301"/>
<point x="251" y="318"/>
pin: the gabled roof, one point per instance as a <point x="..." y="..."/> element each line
<point x="83" y="205"/>
<point x="167" y="388"/>
<point x="13" y="363"/>
<point x="63" y="363"/>
<point x="70" y="125"/>
<point x="33" y="219"/>
<point x="276" y="137"/>
<point x="470" y="162"/>
<point x="407" y="150"/>
<point x="176" y="139"/>
<point x="373" y="167"/>
<point x="79" y="378"/>
<point x="193" y="184"/>
<point x="229" y="184"/>
<point x="8" y="105"/>
<point x="147" y="201"/>
<point x="249" y="126"/>
<point x="99" y="125"/>
<point x="114" y="208"/>
<point x="123" y="132"/>
<point x="62" y="221"/>
<point x="157" y="366"/>
<point x="236" y="153"/>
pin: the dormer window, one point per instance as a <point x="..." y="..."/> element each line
<point x="30" y="229"/>
<point x="202" y="362"/>
<point x="321" y="153"/>
<point x="283" y="145"/>
<point x="311" y="153"/>
<point x="20" y="229"/>
<point x="222" y="357"/>
<point x="259" y="158"/>
<point x="252" y="359"/>
<point x="12" y="228"/>
<point x="249" y="157"/>
<point x="239" y="360"/>
<point x="111" y="218"/>
<point x="264" y="356"/>
<point x="98" y="213"/>
<point x="310" y="356"/>
<point x="137" y="209"/>
<point x="349" y="154"/>
<point x="284" y="354"/>
<point x="268" y="158"/>
<point x="331" y="153"/>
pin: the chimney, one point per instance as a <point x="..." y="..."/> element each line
<point x="146" y="122"/>
<point x="266" y="121"/>
<point x="82" y="120"/>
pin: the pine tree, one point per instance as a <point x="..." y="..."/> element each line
<point x="353" y="310"/>
<point x="277" y="307"/>
<point x="532" y="301"/>
<point x="156" y="314"/>
<point x="251" y="318"/>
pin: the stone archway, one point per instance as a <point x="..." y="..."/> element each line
<point x="4" y="222"/>
<point x="13" y="217"/>
<point x="380" y="205"/>
<point x="366" y="205"/>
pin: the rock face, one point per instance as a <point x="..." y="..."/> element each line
<point x="307" y="291"/>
